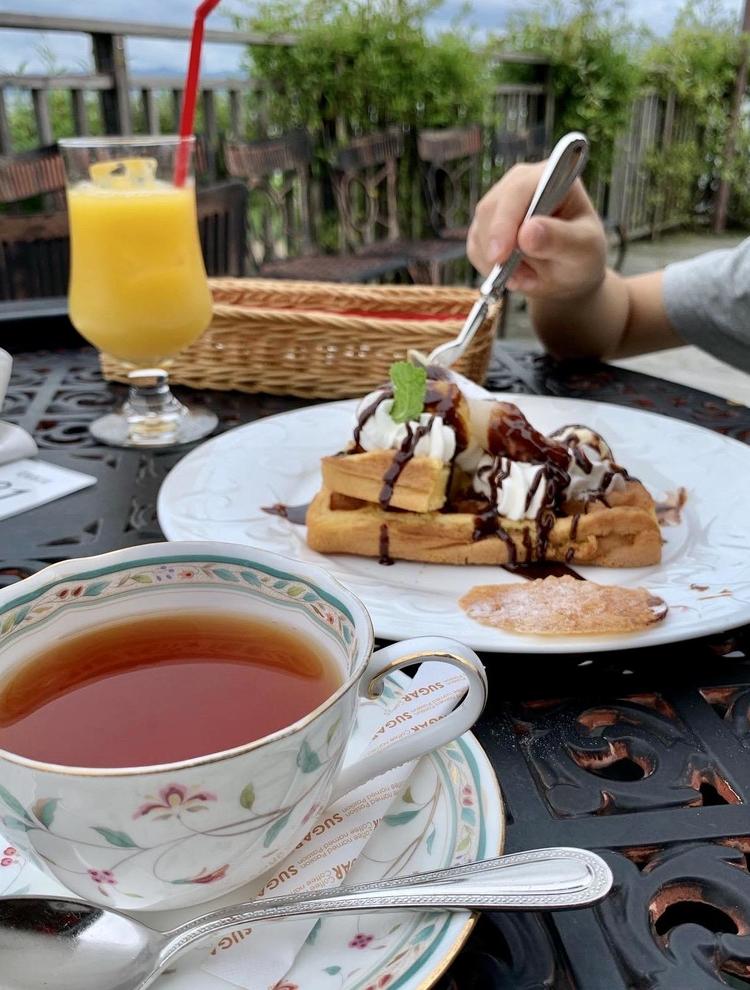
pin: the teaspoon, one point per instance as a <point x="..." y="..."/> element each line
<point x="69" y="944"/>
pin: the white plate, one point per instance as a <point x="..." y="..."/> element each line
<point x="459" y="818"/>
<point x="216" y="493"/>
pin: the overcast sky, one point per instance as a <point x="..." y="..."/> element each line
<point x="21" y="48"/>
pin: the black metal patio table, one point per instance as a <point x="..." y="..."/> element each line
<point x="643" y="755"/>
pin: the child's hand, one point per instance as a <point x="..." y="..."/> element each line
<point x="564" y="255"/>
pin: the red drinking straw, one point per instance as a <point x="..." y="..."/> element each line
<point x="187" y="118"/>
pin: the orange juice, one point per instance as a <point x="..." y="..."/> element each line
<point x="137" y="283"/>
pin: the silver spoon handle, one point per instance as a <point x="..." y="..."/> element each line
<point x="540" y="879"/>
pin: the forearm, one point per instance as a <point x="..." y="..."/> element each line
<point x="620" y="317"/>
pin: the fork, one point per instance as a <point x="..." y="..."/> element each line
<point x="565" y="164"/>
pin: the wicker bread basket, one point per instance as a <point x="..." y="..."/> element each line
<point x="320" y="339"/>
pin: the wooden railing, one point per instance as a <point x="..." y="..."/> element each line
<point x="119" y="94"/>
<point x="647" y="207"/>
<point x="518" y="122"/>
<point x="521" y="115"/>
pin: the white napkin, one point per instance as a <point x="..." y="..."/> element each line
<point x="26" y="481"/>
<point x="15" y="443"/>
<point x="261" y="956"/>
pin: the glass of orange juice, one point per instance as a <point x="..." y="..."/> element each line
<point x="138" y="287"/>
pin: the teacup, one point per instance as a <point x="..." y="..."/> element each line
<point x="126" y="837"/>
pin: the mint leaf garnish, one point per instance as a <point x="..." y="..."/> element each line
<point x="409" y="390"/>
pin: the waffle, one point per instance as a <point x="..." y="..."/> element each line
<point x="623" y="532"/>
<point x="421" y="485"/>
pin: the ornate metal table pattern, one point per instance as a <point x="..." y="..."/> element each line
<point x="644" y="755"/>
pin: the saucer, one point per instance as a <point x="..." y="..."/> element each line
<point x="450" y="813"/>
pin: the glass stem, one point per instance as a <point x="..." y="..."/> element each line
<point x="152" y="412"/>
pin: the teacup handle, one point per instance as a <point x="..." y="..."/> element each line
<point x="431" y="737"/>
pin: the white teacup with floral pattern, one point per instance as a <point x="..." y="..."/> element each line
<point x="170" y="836"/>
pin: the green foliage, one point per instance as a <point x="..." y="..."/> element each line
<point x="600" y="64"/>
<point x="594" y="75"/>
<point x="370" y="64"/>
<point x="23" y="124"/>
<point x="698" y="63"/>
<point x="675" y="172"/>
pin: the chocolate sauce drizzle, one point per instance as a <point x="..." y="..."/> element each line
<point x="510" y="438"/>
<point x="581" y="458"/>
<point x="444" y="401"/>
<point x="487" y="523"/>
<point x="441" y="401"/>
<point x="528" y="545"/>
<point x="384" y="547"/>
<point x="573" y="442"/>
<point x="542" y="569"/>
<point x="385" y="393"/>
<point x="545" y="516"/>
<point x="574" y="526"/>
<point x="401" y="458"/>
<point x="511" y="435"/>
<point x="595" y="496"/>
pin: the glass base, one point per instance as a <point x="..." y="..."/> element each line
<point x="152" y="416"/>
<point x="115" y="430"/>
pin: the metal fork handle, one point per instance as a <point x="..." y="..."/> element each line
<point x="565" y="164"/>
<point x="540" y="879"/>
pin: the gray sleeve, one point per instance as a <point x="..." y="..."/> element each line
<point x="708" y="302"/>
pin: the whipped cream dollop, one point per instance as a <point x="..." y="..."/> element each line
<point x="592" y="467"/>
<point x="583" y="436"/>
<point x="380" y="432"/>
<point x="519" y="488"/>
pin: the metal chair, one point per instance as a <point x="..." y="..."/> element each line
<point x="451" y="160"/>
<point x="222" y="226"/>
<point x="32" y="173"/>
<point x="26" y="174"/>
<point x="277" y="174"/>
<point x="452" y="177"/>
<point x="34" y="256"/>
